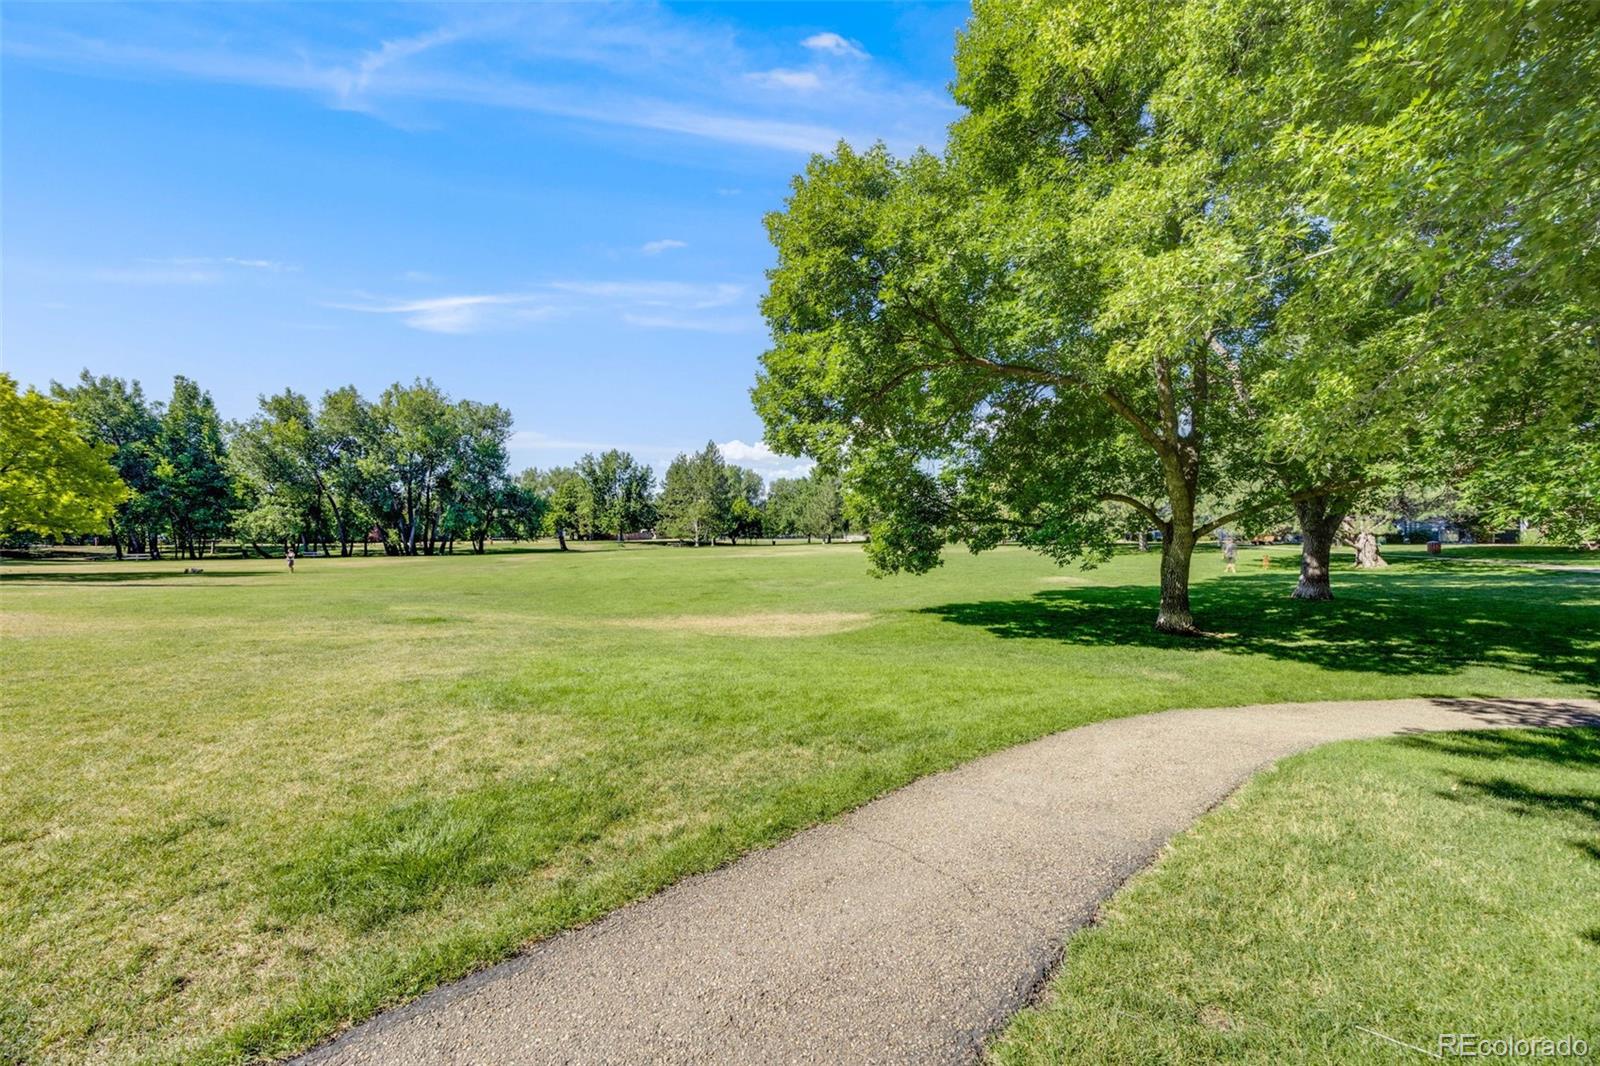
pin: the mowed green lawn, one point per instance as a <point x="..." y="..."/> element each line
<point x="242" y="808"/>
<point x="1352" y="897"/>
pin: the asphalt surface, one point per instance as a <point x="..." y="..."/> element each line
<point x="903" y="932"/>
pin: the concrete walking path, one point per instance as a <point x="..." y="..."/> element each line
<point x="903" y="932"/>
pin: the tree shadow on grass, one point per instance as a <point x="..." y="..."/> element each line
<point x="1558" y="747"/>
<point x="118" y="576"/>
<point x="1530" y="796"/>
<point x="1405" y="621"/>
<point x="1518" y="797"/>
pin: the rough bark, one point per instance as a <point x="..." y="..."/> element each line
<point x="561" y="538"/>
<point x="1320" y="517"/>
<point x="1368" y="557"/>
<point x="1177" y="548"/>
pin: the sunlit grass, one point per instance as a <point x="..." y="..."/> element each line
<point x="242" y="808"/>
<point x="1397" y="889"/>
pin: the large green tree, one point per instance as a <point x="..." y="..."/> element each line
<point x="274" y="459"/>
<point x="115" y="413"/>
<point x="746" y="502"/>
<point x="620" y="491"/>
<point x="478" y="482"/>
<point x="1009" y="341"/>
<point x="810" y="506"/>
<point x="1152" y="269"/>
<point x="343" y="427"/>
<point x="696" y="503"/>
<point x="523" y="509"/>
<point x="194" y="488"/>
<point x="1454" y="301"/>
<point x="52" y="481"/>
<point x="569" y="505"/>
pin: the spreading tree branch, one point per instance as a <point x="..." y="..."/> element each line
<point x="1137" y="504"/>
<point x="1292" y="498"/>
<point x="1050" y="377"/>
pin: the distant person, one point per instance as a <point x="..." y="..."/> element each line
<point x="1230" y="556"/>
<point x="289" y="555"/>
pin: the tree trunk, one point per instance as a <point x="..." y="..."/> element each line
<point x="1319" y="517"/>
<point x="1368" y="557"/>
<point x="561" y="537"/>
<point x="1181" y="472"/>
<point x="1144" y="540"/>
<point x="1177" y="548"/>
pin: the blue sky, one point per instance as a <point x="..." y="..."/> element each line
<point x="554" y="207"/>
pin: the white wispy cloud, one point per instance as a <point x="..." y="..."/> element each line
<point x="834" y="44"/>
<point x="683" y="295"/>
<point x="698" y="325"/>
<point x="394" y="51"/>
<point x="664" y="245"/>
<point x="642" y="68"/>
<point x="273" y="266"/>
<point x="782" y="78"/>
<point x="184" y="270"/>
<point x="648" y="304"/>
<point x="154" y="274"/>
<point x="458" y="314"/>
<point x="345" y="88"/>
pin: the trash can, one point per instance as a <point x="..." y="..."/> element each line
<point x="1434" y="547"/>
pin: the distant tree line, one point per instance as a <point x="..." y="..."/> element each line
<point x="702" y="499"/>
<point x="411" y="472"/>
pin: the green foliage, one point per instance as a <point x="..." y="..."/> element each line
<point x="571" y="503"/>
<point x="1184" y="253"/>
<point x="1005" y="341"/>
<point x="1554" y="486"/>
<point x="619" y="490"/>
<point x="696" y="503"/>
<point x="808" y="507"/>
<point x="746" y="510"/>
<point x="1444" y="151"/>
<point x="522" y="511"/>
<point x="273" y="458"/>
<point x="478" y="481"/>
<point x="109" y="411"/>
<point x="52" y="481"/>
<point x="194" y="490"/>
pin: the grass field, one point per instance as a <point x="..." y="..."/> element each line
<point x="1400" y="888"/>
<point x="243" y="807"/>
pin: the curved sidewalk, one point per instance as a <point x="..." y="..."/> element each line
<point x="904" y="931"/>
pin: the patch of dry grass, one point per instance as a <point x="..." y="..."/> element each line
<point x="759" y="624"/>
<point x="242" y="809"/>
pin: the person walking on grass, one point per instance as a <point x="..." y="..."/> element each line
<point x="289" y="555"/>
<point x="1230" y="555"/>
